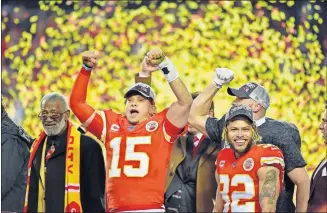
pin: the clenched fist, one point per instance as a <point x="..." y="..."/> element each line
<point x="155" y="56"/>
<point x="223" y="76"/>
<point x="90" y="58"/>
<point x="151" y="61"/>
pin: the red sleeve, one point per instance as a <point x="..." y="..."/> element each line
<point x="171" y="131"/>
<point x="217" y="162"/>
<point x="272" y="156"/>
<point x="84" y="112"/>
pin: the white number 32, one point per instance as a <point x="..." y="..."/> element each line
<point x="232" y="200"/>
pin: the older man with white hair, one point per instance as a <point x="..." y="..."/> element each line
<point x="62" y="164"/>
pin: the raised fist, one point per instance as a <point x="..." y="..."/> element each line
<point x="223" y="76"/>
<point x="155" y="56"/>
<point x="151" y="61"/>
<point x="90" y="58"/>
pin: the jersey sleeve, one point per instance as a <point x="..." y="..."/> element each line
<point x="170" y="131"/>
<point x="106" y="117"/>
<point x="217" y="162"/>
<point x="221" y="160"/>
<point x="271" y="156"/>
<point x="77" y="102"/>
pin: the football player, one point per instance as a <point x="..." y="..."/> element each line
<point x="249" y="176"/>
<point x="138" y="143"/>
<point x="282" y="134"/>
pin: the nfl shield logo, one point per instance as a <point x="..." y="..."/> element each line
<point x="131" y="128"/>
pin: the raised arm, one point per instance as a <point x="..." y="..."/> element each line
<point x="178" y="112"/>
<point x="269" y="188"/>
<point x="77" y="100"/>
<point x="219" y="205"/>
<point x="201" y="105"/>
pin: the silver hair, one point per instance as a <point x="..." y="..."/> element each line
<point x="55" y="96"/>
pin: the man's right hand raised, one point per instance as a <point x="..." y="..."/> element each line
<point x="151" y="61"/>
<point x="222" y="76"/>
<point x="90" y="58"/>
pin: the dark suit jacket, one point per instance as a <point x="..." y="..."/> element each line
<point x="92" y="177"/>
<point x="318" y="189"/>
<point x="206" y="184"/>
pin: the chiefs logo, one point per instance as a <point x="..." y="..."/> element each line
<point x="248" y="164"/>
<point x="73" y="207"/>
<point x="151" y="126"/>
<point x="114" y="128"/>
<point x="222" y="163"/>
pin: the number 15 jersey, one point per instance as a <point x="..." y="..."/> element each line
<point x="239" y="182"/>
<point x="137" y="160"/>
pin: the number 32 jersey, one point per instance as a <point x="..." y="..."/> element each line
<point x="137" y="160"/>
<point x="239" y="182"/>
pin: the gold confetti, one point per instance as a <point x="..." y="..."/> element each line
<point x="196" y="36"/>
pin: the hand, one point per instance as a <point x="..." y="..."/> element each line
<point x="90" y="58"/>
<point x="155" y="56"/>
<point x="151" y="61"/>
<point x="223" y="76"/>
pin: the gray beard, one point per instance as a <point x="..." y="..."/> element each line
<point x="55" y="130"/>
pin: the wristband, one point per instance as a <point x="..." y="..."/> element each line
<point x="87" y="67"/>
<point x="169" y="70"/>
<point x="218" y="86"/>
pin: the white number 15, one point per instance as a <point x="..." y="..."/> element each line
<point x="130" y="155"/>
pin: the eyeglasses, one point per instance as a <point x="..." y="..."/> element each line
<point x="53" y="116"/>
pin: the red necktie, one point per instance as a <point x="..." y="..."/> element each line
<point x="195" y="146"/>
<point x="50" y="152"/>
<point x="195" y="141"/>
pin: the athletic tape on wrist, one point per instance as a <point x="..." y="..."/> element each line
<point x="169" y="70"/>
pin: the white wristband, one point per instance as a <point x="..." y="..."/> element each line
<point x="218" y="86"/>
<point x="87" y="68"/>
<point x="169" y="70"/>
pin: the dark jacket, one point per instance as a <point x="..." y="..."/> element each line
<point x="15" y="143"/>
<point x="92" y="176"/>
<point x="206" y="184"/>
<point x="318" y="189"/>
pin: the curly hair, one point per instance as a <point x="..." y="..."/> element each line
<point x="255" y="134"/>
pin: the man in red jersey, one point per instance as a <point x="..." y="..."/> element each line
<point x="138" y="143"/>
<point x="249" y="176"/>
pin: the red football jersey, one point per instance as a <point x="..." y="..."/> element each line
<point x="137" y="160"/>
<point x="239" y="182"/>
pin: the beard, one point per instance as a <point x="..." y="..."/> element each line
<point x="245" y="150"/>
<point x="56" y="129"/>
